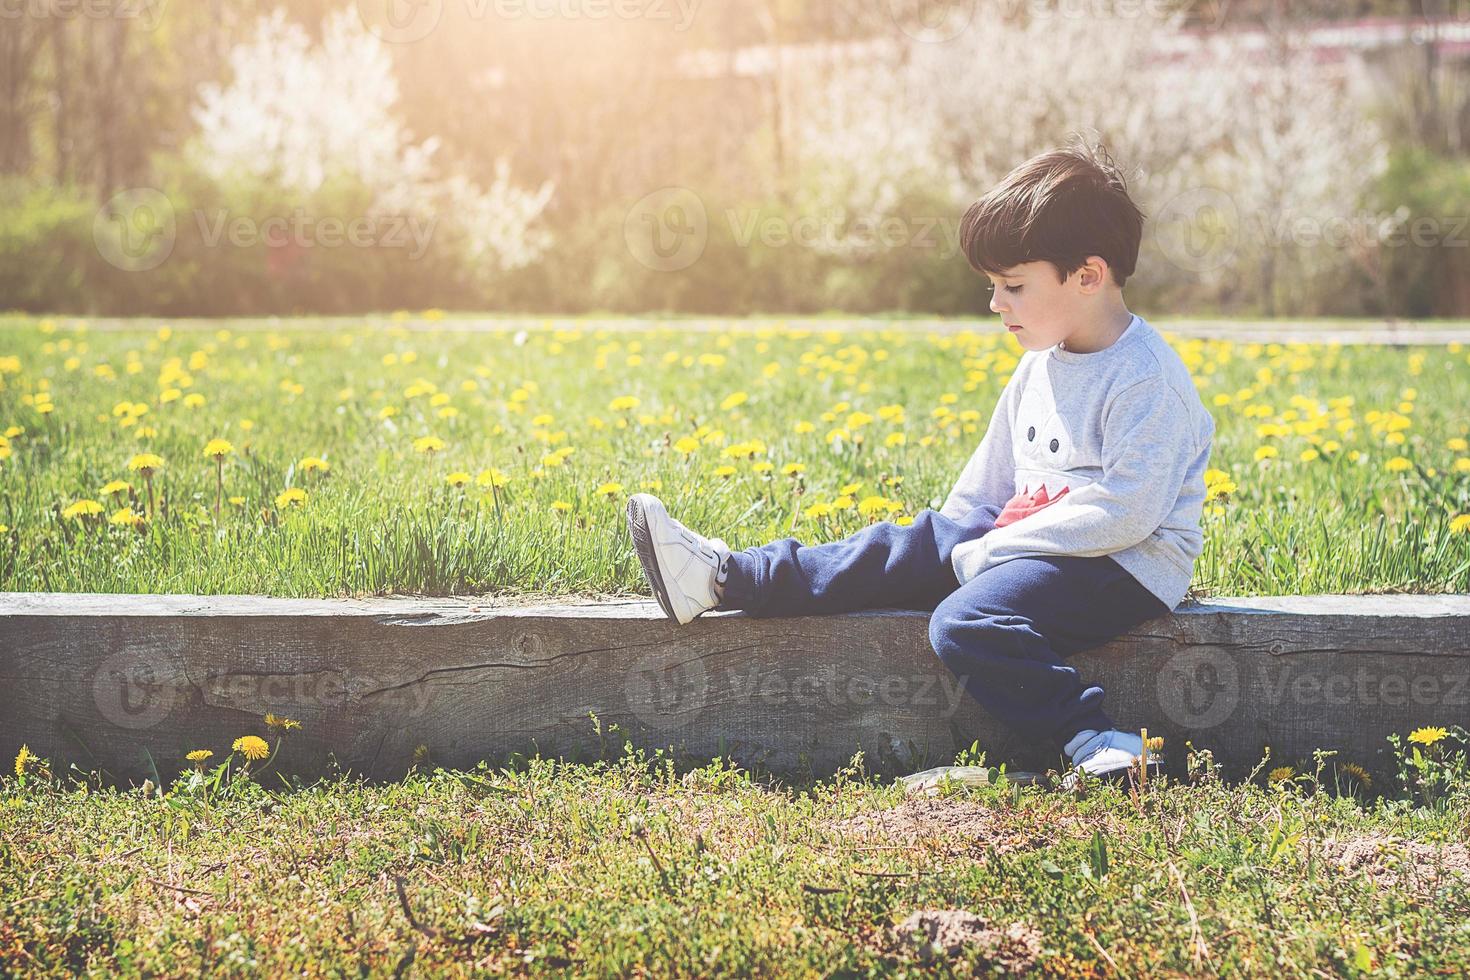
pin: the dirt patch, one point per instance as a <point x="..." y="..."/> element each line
<point x="1014" y="947"/>
<point x="1389" y="861"/>
<point x="956" y="828"/>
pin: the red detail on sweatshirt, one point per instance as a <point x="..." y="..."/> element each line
<point x="1026" y="503"/>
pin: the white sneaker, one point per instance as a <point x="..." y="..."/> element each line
<point x="1107" y="755"/>
<point x="683" y="568"/>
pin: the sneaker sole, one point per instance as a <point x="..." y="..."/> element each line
<point x="643" y="546"/>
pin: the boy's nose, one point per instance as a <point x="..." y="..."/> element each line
<point x="995" y="306"/>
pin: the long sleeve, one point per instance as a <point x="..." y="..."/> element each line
<point x="989" y="477"/>
<point x="1149" y="443"/>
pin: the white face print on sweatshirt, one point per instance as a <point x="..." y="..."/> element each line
<point x="1043" y="452"/>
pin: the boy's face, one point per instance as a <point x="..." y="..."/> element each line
<point x="1039" y="310"/>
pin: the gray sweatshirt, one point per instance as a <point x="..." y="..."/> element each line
<point x="1093" y="454"/>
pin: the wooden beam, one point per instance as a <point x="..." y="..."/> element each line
<point x="108" y="681"/>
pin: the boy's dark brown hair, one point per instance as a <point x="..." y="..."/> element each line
<point x="1060" y="207"/>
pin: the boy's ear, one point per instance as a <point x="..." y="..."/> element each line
<point x="1093" y="274"/>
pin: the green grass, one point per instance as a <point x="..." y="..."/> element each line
<point x="634" y="864"/>
<point x="383" y="519"/>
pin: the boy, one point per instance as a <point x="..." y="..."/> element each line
<point x="1076" y="518"/>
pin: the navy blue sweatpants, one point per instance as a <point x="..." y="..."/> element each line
<point x="1005" y="634"/>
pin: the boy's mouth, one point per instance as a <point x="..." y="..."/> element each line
<point x="1014" y="327"/>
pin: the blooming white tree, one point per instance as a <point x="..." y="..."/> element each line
<point x="297" y="115"/>
<point x="1247" y="153"/>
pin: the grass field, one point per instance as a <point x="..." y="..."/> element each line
<point x="330" y="459"/>
<point x="340" y="460"/>
<point x="632" y="865"/>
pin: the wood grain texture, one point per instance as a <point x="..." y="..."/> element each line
<point x="99" y="679"/>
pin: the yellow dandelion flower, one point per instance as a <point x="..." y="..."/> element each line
<point x="457" y="479"/>
<point x="1460" y="524"/>
<point x="1357" y="772"/>
<point x="1398" y="464"/>
<point x="284" y="724"/>
<point x="314" y="464"/>
<point x="869" y="506"/>
<point x="1222" y="488"/>
<point x="27" y="761"/>
<point x="1462" y="465"/>
<point x="251" y="746"/>
<point x="560" y="505"/>
<point x="609" y="489"/>
<point x="237" y="501"/>
<point x="291" y="496"/>
<point x="552" y="459"/>
<point x="850" y="488"/>
<point x="817" y="510"/>
<point x="1267" y="452"/>
<point x="428" y="444"/>
<point x="82" y="508"/>
<point x="199" y="755"/>
<point x="492" y="477"/>
<point x="803" y="427"/>
<point x="217" y="449"/>
<point x="686" y="445"/>
<point x="145" y="463"/>
<point x="1307" y="455"/>
<point x="895" y="439"/>
<point x="623" y="403"/>
<point x="793" y="469"/>
<point x="724" y="471"/>
<point x="1427" y="736"/>
<point x="843" y="502"/>
<point x="733" y="399"/>
<point x="1280" y="774"/>
<point x="116" y="486"/>
<point x="125" y="518"/>
<point x="764" y="466"/>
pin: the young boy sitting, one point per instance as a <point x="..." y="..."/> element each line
<point x="1076" y="518"/>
